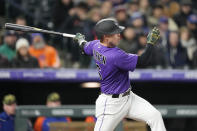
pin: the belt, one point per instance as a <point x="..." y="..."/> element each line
<point x="126" y="93"/>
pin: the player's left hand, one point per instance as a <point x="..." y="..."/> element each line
<point x="79" y="38"/>
<point x="153" y="36"/>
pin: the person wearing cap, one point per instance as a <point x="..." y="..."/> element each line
<point x="121" y="15"/>
<point x="116" y="100"/>
<point x="138" y="22"/>
<point x="23" y="58"/>
<point x="47" y="55"/>
<point x="7" y="117"/>
<point x="185" y="11"/>
<point x="8" y="48"/>
<point x="43" y="123"/>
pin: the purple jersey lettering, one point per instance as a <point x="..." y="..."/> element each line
<point x="113" y="66"/>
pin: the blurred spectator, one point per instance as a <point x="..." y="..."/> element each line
<point x="106" y="9"/>
<point x="92" y="3"/>
<point x="133" y="6"/>
<point x="22" y="21"/>
<point x="138" y="23"/>
<point x="171" y="7"/>
<point x="164" y="30"/>
<point x="145" y="8"/>
<point x="157" y="14"/>
<point x="128" y="42"/>
<point x="43" y="123"/>
<point x="23" y="58"/>
<point x="8" y="48"/>
<point x="93" y="17"/>
<point x="116" y="2"/>
<point x="192" y="24"/>
<point x="188" y="42"/>
<point x="4" y="63"/>
<point x="61" y="12"/>
<point x="7" y="117"/>
<point x="194" y="61"/>
<point x="76" y="23"/>
<point x="186" y="10"/>
<point x="121" y="15"/>
<point x="47" y="55"/>
<point x="142" y="40"/>
<point x="176" y="54"/>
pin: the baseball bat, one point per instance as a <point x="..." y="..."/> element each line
<point x="30" y="29"/>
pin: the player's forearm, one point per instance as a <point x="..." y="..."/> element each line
<point x="146" y="56"/>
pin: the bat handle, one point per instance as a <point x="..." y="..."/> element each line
<point x="68" y="35"/>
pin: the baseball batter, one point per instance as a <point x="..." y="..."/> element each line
<point x="117" y="100"/>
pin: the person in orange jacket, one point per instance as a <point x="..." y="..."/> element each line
<point x="47" y="55"/>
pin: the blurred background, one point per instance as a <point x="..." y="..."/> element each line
<point x="42" y="69"/>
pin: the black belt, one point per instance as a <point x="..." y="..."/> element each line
<point x="126" y="93"/>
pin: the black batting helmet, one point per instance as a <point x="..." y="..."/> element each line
<point x="107" y="26"/>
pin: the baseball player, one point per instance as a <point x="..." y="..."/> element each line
<point x="117" y="100"/>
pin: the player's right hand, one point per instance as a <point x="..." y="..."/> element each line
<point x="153" y="36"/>
<point x="79" y="38"/>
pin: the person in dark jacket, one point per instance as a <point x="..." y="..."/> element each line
<point x="4" y="63"/>
<point x="7" y="117"/>
<point x="194" y="60"/>
<point x="176" y="54"/>
<point x="61" y="12"/>
<point x="23" y="58"/>
<point x="21" y="20"/>
<point x="186" y="10"/>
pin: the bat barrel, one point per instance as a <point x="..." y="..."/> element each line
<point x="10" y="26"/>
<point x="30" y="29"/>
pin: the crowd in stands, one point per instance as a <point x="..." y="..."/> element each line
<point x="176" y="20"/>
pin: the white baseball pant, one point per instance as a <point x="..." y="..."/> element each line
<point x="110" y="111"/>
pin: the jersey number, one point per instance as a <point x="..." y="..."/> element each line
<point x="99" y="69"/>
